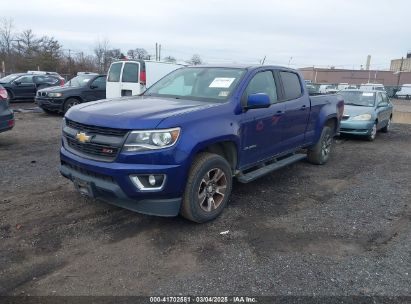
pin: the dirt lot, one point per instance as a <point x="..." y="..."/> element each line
<point x="339" y="229"/>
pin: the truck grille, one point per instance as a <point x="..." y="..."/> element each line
<point x="92" y="149"/>
<point x="104" y="145"/>
<point x="95" y="129"/>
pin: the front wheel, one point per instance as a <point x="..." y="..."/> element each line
<point x="208" y="188"/>
<point x="373" y="132"/>
<point x="71" y="102"/>
<point x="320" y="152"/>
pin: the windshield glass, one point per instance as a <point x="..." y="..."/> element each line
<point x="203" y="84"/>
<point x="79" y="81"/>
<point x="358" y="98"/>
<point x="9" y="78"/>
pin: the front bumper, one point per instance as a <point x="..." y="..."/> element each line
<point x="52" y="104"/>
<point x="110" y="182"/>
<point x="356" y="127"/>
<point x="6" y="121"/>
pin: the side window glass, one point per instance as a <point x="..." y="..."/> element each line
<point x="292" y="85"/>
<point x="130" y="72"/>
<point x="114" y="73"/>
<point x="379" y="98"/>
<point x="25" y="79"/>
<point x="99" y="82"/>
<point x="263" y="82"/>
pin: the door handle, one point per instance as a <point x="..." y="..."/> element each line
<point x="279" y="113"/>
<point x="303" y="107"/>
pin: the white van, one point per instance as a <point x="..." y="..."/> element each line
<point x="132" y="77"/>
<point x="404" y="92"/>
<point x="372" y="87"/>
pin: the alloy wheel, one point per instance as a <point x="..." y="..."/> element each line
<point x="212" y="189"/>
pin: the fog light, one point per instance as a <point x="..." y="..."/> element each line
<point x="148" y="182"/>
<point x="152" y="180"/>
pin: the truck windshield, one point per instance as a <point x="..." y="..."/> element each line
<point x="358" y="98"/>
<point x="198" y="83"/>
<point x="79" y="81"/>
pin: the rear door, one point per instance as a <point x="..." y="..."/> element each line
<point x="261" y="128"/>
<point x="130" y="82"/>
<point x="113" y="87"/>
<point x="297" y="110"/>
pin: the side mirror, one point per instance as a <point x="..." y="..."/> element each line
<point x="257" y="101"/>
<point x="382" y="105"/>
<point x="16" y="82"/>
<point x="93" y="87"/>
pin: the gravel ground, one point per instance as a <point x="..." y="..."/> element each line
<point x="338" y="229"/>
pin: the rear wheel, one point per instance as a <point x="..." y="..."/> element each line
<point x="373" y="132"/>
<point x="320" y="152"/>
<point x="71" y="102"/>
<point x="387" y="127"/>
<point x="208" y="188"/>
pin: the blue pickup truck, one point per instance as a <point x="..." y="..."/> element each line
<point x="176" y="148"/>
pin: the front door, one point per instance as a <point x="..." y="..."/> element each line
<point x="24" y="87"/>
<point x="261" y="128"/>
<point x="96" y="90"/>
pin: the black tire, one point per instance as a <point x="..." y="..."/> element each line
<point x="70" y="102"/>
<point x="373" y="132"/>
<point x="320" y="152"/>
<point x="387" y="127"/>
<point x="198" y="195"/>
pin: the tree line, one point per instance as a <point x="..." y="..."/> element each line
<point x="23" y="51"/>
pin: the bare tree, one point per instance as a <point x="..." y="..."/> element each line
<point x="100" y="51"/>
<point x="195" y="60"/>
<point x="6" y="40"/>
<point x="170" y="59"/>
<point x="138" y="53"/>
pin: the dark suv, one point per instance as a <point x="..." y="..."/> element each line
<point x="6" y="115"/>
<point x="25" y="85"/>
<point x="82" y="88"/>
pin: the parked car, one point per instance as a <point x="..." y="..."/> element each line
<point x="366" y="112"/>
<point x="25" y="85"/>
<point x="176" y="148"/>
<point x="132" y="77"/>
<point x="327" y="89"/>
<point x="6" y="114"/>
<point x="404" y="92"/>
<point x="372" y="87"/>
<point x="84" y="87"/>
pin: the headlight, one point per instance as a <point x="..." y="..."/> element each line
<point x="55" y="94"/>
<point x="151" y="139"/>
<point x="362" y="117"/>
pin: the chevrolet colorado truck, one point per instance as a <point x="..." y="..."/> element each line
<point x="176" y="148"/>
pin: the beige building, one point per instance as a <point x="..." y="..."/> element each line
<point x="396" y="64"/>
<point x="387" y="78"/>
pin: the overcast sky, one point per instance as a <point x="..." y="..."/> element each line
<point x="313" y="32"/>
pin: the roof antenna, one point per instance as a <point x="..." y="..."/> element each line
<point x="262" y="61"/>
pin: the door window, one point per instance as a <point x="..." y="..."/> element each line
<point x="130" y="72"/>
<point x="291" y="84"/>
<point x="263" y="82"/>
<point x="99" y="83"/>
<point x="25" y="79"/>
<point x="114" y="73"/>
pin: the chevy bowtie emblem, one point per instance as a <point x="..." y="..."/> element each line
<point x="83" y="137"/>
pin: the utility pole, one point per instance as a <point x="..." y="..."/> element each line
<point x="399" y="73"/>
<point x="69" y="58"/>
<point x="156" y="51"/>
<point x="159" y="52"/>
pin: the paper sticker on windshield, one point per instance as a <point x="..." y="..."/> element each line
<point x="367" y="94"/>
<point x="223" y="93"/>
<point x="221" y="82"/>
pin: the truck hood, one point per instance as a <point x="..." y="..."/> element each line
<point x="137" y="112"/>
